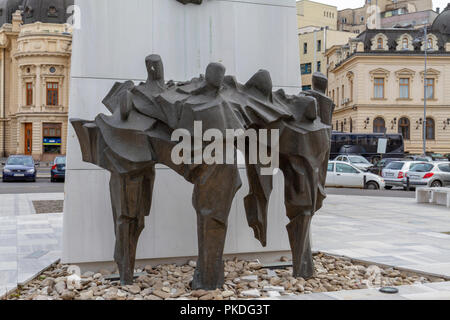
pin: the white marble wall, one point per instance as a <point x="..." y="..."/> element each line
<point x="114" y="38"/>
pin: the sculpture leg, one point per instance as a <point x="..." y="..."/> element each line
<point x="299" y="199"/>
<point x="213" y="195"/>
<point x="131" y="202"/>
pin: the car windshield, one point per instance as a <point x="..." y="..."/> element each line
<point x="20" y="161"/>
<point x="60" y="160"/>
<point x="422" y="167"/>
<point x="358" y="160"/>
<point x="395" y="165"/>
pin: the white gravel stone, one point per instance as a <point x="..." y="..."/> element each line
<point x="274" y="288"/>
<point x="273" y="294"/>
<point x="249" y="278"/>
<point x="251" y="293"/>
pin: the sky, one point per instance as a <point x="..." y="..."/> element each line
<point x="344" y="4"/>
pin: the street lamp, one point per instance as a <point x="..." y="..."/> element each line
<point x="425" y="46"/>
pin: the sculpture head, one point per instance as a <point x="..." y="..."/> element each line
<point x="262" y="81"/>
<point x="155" y="68"/>
<point x="215" y="73"/>
<point x="319" y="82"/>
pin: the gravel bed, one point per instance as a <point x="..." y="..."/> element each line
<point x="49" y="206"/>
<point x="244" y="280"/>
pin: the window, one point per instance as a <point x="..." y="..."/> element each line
<point x="52" y="94"/>
<point x="404" y="88"/>
<point x="444" y="167"/>
<point x="29" y="93"/>
<point x="319" y="66"/>
<point x="305" y="48"/>
<point x="404" y="128"/>
<point x="306" y="88"/>
<point x="337" y="97"/>
<point x="52" y="138"/>
<point x="405" y="43"/>
<point x="430" y="43"/>
<point x="330" y="167"/>
<point x="345" y="168"/>
<point x="380" y="43"/>
<point x="319" y="45"/>
<point x="430" y="129"/>
<point x="306" y="68"/>
<point x="351" y="88"/>
<point x="379" y="88"/>
<point x="343" y="92"/>
<point x="379" y="125"/>
<point x="430" y="88"/>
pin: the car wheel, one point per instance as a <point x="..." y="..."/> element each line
<point x="372" y="186"/>
<point x="436" y="184"/>
<point x="388" y="188"/>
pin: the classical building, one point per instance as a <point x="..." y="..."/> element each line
<point x="378" y="82"/>
<point x="390" y="14"/>
<point x="317" y="24"/>
<point x="314" y="14"/>
<point x="313" y="46"/>
<point x="35" y="51"/>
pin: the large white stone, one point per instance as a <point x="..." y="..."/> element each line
<point x="114" y="38"/>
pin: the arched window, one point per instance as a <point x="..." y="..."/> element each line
<point x="380" y="43"/>
<point x="379" y="125"/>
<point x="431" y="132"/>
<point x="430" y="43"/>
<point x="405" y="43"/>
<point x="404" y="127"/>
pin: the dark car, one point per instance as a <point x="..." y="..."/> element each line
<point x="19" y="168"/>
<point x="383" y="163"/>
<point x="58" y="171"/>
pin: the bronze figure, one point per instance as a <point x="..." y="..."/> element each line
<point x="138" y="135"/>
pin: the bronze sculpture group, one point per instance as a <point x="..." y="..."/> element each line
<point x="137" y="136"/>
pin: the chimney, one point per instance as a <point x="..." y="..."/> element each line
<point x="438" y="10"/>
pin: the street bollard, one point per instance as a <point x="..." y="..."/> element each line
<point x="407" y="184"/>
<point x="365" y="182"/>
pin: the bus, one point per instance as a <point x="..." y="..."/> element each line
<point x="366" y="145"/>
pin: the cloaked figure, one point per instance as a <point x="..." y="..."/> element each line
<point x="137" y="136"/>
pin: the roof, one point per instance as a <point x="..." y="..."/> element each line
<point x="47" y="11"/>
<point x="442" y="23"/>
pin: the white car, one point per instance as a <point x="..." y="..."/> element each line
<point x="358" y="161"/>
<point x="344" y="175"/>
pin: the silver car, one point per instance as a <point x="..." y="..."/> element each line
<point x="355" y="160"/>
<point x="429" y="174"/>
<point x="395" y="172"/>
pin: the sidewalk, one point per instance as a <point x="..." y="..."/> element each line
<point x="28" y="242"/>
<point x="391" y="231"/>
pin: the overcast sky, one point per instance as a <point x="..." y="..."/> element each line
<point x="343" y="4"/>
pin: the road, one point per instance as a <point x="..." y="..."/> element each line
<point x="44" y="186"/>
<point x="41" y="186"/>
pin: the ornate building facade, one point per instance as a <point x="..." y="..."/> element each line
<point x="35" y="52"/>
<point x="378" y="83"/>
<point x="381" y="14"/>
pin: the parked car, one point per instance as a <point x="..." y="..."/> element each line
<point x="395" y="173"/>
<point x="383" y="163"/>
<point x="345" y="175"/>
<point x="419" y="158"/>
<point x="428" y="174"/>
<point x="19" y="168"/>
<point x="356" y="160"/>
<point x="58" y="171"/>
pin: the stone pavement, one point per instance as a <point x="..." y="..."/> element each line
<point x="28" y="242"/>
<point x="391" y="231"/>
